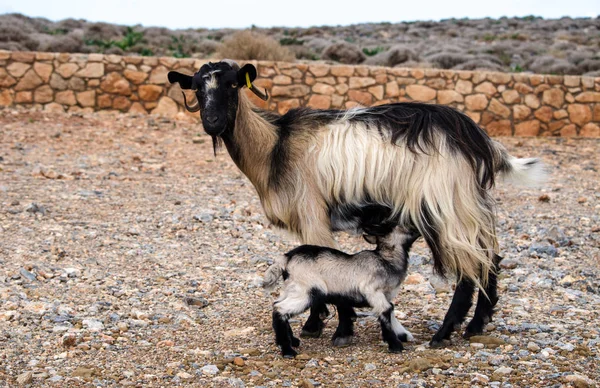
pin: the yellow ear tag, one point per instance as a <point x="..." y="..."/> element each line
<point x="248" y="83"/>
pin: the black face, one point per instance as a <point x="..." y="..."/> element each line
<point x="216" y="86"/>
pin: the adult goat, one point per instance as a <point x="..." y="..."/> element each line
<point x="427" y="167"/>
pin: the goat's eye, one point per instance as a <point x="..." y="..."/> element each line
<point x="234" y="85"/>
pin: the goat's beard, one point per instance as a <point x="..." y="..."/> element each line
<point x="217" y="143"/>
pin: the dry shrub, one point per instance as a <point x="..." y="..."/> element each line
<point x="60" y="43"/>
<point x="478" y="64"/>
<point x="448" y="60"/>
<point x="394" y="56"/>
<point x="344" y="52"/>
<point x="248" y="45"/>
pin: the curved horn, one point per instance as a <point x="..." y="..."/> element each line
<point x="263" y="96"/>
<point x="193" y="108"/>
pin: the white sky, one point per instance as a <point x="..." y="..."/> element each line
<point x="302" y="13"/>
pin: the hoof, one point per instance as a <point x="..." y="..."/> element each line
<point x="311" y="334"/>
<point x="439" y="344"/>
<point x="295" y="342"/>
<point x="396" y="349"/>
<point x="290" y="353"/>
<point x="341" y="342"/>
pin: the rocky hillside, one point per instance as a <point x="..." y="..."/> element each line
<point x="563" y="46"/>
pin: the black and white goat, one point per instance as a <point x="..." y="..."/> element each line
<point x="423" y="166"/>
<point x="320" y="275"/>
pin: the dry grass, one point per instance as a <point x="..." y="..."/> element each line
<point x="248" y="45"/>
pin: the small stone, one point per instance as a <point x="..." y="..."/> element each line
<point x="509" y="264"/>
<point x="420" y="92"/>
<point x="25" y="378"/>
<point x="479" y="378"/>
<point x="370" y="367"/>
<point x="238" y="361"/>
<point x="487" y="340"/>
<point x="209" y="370"/>
<point x="543" y="248"/>
<point x="544" y="198"/>
<point x="419" y="364"/>
<point x="83" y="372"/>
<point x="579" y="381"/>
<point x="184" y="376"/>
<point x="68" y="340"/>
<point x="27" y="275"/>
<point x="533" y="347"/>
<point x="92" y="324"/>
<point x="503" y="370"/>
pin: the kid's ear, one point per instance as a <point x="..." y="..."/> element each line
<point x="247" y="75"/>
<point x="370" y="239"/>
<point x="184" y="81"/>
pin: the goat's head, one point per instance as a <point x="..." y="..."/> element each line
<point x="398" y="237"/>
<point x="217" y="86"/>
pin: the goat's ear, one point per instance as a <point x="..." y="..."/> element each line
<point x="409" y="238"/>
<point x="370" y="238"/>
<point x="185" y="81"/>
<point x="249" y="70"/>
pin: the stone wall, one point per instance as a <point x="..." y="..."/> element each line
<point x="504" y="104"/>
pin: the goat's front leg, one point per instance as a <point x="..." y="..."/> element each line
<point x="385" y="310"/>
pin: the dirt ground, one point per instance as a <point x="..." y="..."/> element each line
<point x="131" y="256"/>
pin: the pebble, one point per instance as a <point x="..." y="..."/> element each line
<point x="533" y="347"/>
<point x="184" y="376"/>
<point x="92" y="324"/>
<point x="209" y="370"/>
<point x="25" y="378"/>
<point x="503" y="370"/>
<point x="509" y="264"/>
<point x="370" y="367"/>
<point x="543" y="249"/>
<point x="579" y="381"/>
<point x="196" y="302"/>
<point x="27" y="275"/>
<point x="239" y="361"/>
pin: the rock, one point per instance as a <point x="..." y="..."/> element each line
<point x="363" y="98"/>
<point x="34" y="208"/>
<point x="579" y="381"/>
<point x="415" y="278"/>
<point x="498" y="108"/>
<point x="499" y="128"/>
<point x="66" y="97"/>
<point x="159" y="75"/>
<point x="44" y="70"/>
<point x="532" y="346"/>
<point x="209" y="370"/>
<point x="68" y="340"/>
<point x="137" y="77"/>
<point x="17" y="69"/>
<point x="92" y="324"/>
<point x="115" y="83"/>
<point x="543" y="248"/>
<point x="420" y="92"/>
<point x="238" y="361"/>
<point x="370" y="367"/>
<point x="25" y="378"/>
<point x="544" y="198"/>
<point x="441" y="286"/>
<point x="27" y="275"/>
<point x="553" y="97"/>
<point x="83" y="372"/>
<point x="6" y="97"/>
<point x="476" y="102"/>
<point x="317" y="101"/>
<point x="91" y="70"/>
<point x="419" y="364"/>
<point x="87" y="98"/>
<point x="532" y="101"/>
<point x="487" y="88"/>
<point x="43" y="94"/>
<point x="29" y="81"/>
<point x="66" y="70"/>
<point x="290" y="91"/>
<point x="509" y="264"/>
<point x="487" y="340"/>
<point x="503" y="371"/>
<point x="590" y="130"/>
<point x="184" y="376"/>
<point x="578" y="114"/>
<point x="149" y="92"/>
<point x="521" y="112"/>
<point x="464" y="87"/>
<point x="166" y="106"/>
<point x="528" y="128"/>
<point x="479" y="378"/>
<point x="197" y="302"/>
<point x="588" y="97"/>
<point x="449" y="96"/>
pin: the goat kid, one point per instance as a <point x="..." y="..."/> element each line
<point x="370" y="278"/>
<point x="423" y="166"/>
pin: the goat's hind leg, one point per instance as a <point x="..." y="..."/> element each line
<point x="283" y="309"/>
<point x="345" y="330"/>
<point x="485" y="304"/>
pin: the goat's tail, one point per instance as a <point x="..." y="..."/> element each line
<point x="525" y="171"/>
<point x="274" y="272"/>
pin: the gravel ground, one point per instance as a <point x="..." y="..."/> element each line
<point x="130" y="255"/>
